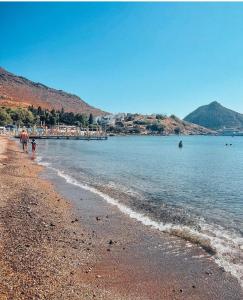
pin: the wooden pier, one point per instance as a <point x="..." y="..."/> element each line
<point x="64" y="132"/>
<point x="66" y="137"/>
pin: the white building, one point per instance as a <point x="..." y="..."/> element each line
<point x="107" y="120"/>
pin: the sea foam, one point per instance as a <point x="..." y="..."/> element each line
<point x="224" y="246"/>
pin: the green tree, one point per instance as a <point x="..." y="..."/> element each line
<point x="91" y="119"/>
<point x="81" y="119"/>
<point x="5" y="118"/>
<point x="161" y="128"/>
<point x="177" y="130"/>
<point x="52" y="118"/>
<point x="68" y="118"/>
<point x="160" y="117"/>
<point x="39" y="111"/>
<point x="21" y="116"/>
<point x="29" y="118"/>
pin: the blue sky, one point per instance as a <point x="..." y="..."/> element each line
<point x="129" y="57"/>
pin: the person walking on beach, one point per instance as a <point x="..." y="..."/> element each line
<point x="24" y="138"/>
<point x="33" y="145"/>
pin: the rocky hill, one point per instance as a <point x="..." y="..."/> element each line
<point x="215" y="116"/>
<point x="156" y="125"/>
<point x="18" y="91"/>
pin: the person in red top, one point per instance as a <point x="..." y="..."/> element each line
<point x="24" y="139"/>
<point x="33" y="144"/>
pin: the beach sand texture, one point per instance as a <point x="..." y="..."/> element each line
<point x="52" y="248"/>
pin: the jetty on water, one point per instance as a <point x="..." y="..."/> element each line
<point x="66" y="137"/>
<point x="63" y="133"/>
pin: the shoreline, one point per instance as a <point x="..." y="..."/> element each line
<point x="87" y="249"/>
<point x="42" y="243"/>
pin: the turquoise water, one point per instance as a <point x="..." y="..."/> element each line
<point x="197" y="190"/>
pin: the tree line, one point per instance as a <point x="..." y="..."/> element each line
<point x="38" y="116"/>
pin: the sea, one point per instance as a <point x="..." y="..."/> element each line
<point x="194" y="192"/>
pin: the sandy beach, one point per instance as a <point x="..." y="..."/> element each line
<point x="61" y="242"/>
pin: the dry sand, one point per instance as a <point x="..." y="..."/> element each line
<point x="42" y="245"/>
<point x="51" y="248"/>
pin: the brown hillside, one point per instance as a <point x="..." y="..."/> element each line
<point x="170" y="125"/>
<point x="18" y="91"/>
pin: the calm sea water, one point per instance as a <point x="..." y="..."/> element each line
<point x="195" y="192"/>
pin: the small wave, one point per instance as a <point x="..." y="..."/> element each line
<point x="224" y="246"/>
<point x="127" y="190"/>
<point x="40" y="161"/>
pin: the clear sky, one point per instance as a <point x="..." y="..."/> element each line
<point x="129" y="57"/>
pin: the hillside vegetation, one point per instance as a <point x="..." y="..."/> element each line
<point x="38" y="116"/>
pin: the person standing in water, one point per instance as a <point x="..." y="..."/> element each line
<point x="33" y="145"/>
<point x="180" y="145"/>
<point x="24" y="139"/>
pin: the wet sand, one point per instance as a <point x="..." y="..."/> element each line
<point x="84" y="248"/>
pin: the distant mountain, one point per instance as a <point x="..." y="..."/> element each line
<point x="215" y="116"/>
<point x="19" y="91"/>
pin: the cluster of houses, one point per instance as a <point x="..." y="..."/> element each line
<point x="231" y="131"/>
<point x="125" y="123"/>
<point x="110" y="119"/>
